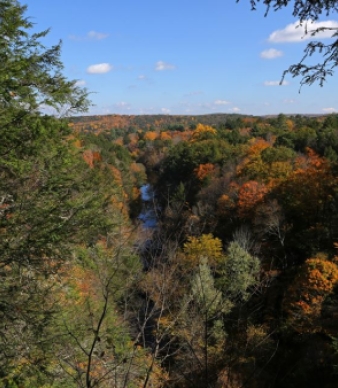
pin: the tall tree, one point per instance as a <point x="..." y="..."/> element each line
<point x="49" y="198"/>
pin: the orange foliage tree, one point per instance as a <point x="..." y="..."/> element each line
<point x="165" y="135"/>
<point x="303" y="304"/>
<point x="203" y="171"/>
<point x="150" y="136"/>
<point x="250" y="194"/>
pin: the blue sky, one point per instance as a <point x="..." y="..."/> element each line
<point x="182" y="56"/>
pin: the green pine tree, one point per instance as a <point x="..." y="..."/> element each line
<point x="50" y="200"/>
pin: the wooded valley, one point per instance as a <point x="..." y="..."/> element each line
<point x="235" y="282"/>
<point x="235" y="285"/>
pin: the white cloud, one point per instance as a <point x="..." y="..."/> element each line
<point x="122" y="104"/>
<point x="221" y="102"/>
<point x="165" y="110"/>
<point x="96" y="35"/>
<point x="271" y="53"/>
<point x="160" y="66"/>
<point x="142" y="78"/>
<point x="289" y="101"/>
<point x="91" y="35"/>
<point x="235" y="109"/>
<point x="80" y="82"/>
<point x="275" y="83"/>
<point x="99" y="68"/>
<point x="295" y="32"/>
<point x="329" y="110"/>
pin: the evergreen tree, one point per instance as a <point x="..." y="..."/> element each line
<point x="238" y="273"/>
<point x="49" y="199"/>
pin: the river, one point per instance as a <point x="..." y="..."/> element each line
<point x="148" y="215"/>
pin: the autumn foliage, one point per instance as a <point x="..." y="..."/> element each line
<point x="204" y="247"/>
<point x="204" y="171"/>
<point x="250" y="194"/>
<point x="306" y="295"/>
<point x="227" y="289"/>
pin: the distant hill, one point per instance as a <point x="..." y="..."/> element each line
<point x="148" y="122"/>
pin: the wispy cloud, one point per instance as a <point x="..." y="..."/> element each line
<point x="214" y="106"/>
<point x="221" y="102"/>
<point x="235" y="109"/>
<point x="271" y="54"/>
<point x="295" y="32"/>
<point x="99" y="68"/>
<point x="160" y="66"/>
<point x="80" y="82"/>
<point x="289" y="101"/>
<point x="91" y="35"/>
<point x="165" y="110"/>
<point x="143" y="79"/>
<point x="275" y="83"/>
<point x="329" y="110"/>
<point x="122" y="105"/>
<point x="94" y="35"/>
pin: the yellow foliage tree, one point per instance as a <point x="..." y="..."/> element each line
<point x="203" y="132"/>
<point x="280" y="170"/>
<point x="165" y="135"/>
<point x="198" y="249"/>
<point x="252" y="165"/>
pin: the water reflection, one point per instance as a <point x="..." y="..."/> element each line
<point x="148" y="214"/>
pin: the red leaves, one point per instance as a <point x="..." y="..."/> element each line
<point x="250" y="194"/>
